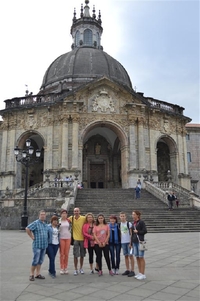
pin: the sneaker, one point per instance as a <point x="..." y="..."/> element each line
<point x="137" y="275"/>
<point x="131" y="274"/>
<point x="117" y="272"/>
<point x="100" y="273"/>
<point x="111" y="273"/>
<point x="81" y="271"/>
<point x="91" y="272"/>
<point x="75" y="272"/>
<point x="97" y="270"/>
<point x="62" y="272"/>
<point x="141" y="277"/>
<point x="113" y="270"/>
<point x="66" y="272"/>
<point x="126" y="273"/>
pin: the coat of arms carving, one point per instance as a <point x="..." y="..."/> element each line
<point x="103" y="102"/>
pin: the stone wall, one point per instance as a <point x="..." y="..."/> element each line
<point x="49" y="199"/>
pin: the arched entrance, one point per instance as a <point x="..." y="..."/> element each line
<point x="35" y="172"/>
<point x="103" y="157"/>
<point x="166" y="158"/>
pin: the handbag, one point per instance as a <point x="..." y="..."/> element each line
<point x="142" y="244"/>
<point x="72" y="239"/>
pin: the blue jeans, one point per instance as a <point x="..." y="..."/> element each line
<point x="38" y="256"/>
<point x="115" y="255"/>
<point x="51" y="252"/>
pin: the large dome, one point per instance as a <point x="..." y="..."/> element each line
<point x="83" y="65"/>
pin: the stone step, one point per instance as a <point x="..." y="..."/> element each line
<point x="155" y="213"/>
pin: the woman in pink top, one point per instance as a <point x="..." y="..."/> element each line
<point x="101" y="235"/>
<point x="89" y="239"/>
<point x="65" y="240"/>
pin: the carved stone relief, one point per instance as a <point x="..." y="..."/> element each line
<point x="103" y="103"/>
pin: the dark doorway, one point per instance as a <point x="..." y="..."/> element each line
<point x="100" y="184"/>
<point x="93" y="184"/>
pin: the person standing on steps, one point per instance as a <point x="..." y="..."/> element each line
<point x="65" y="240"/>
<point x="38" y="232"/>
<point x="139" y="184"/>
<point x="170" y="198"/>
<point x="138" y="231"/>
<point x="78" y="221"/>
<point x="137" y="192"/>
<point x="125" y="228"/>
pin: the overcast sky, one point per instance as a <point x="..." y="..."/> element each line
<point x="156" y="41"/>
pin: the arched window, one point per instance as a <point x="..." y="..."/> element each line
<point x="88" y="37"/>
<point x="77" y="38"/>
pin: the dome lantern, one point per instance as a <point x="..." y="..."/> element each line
<point x="87" y="30"/>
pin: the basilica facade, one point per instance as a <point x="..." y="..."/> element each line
<point x="88" y="119"/>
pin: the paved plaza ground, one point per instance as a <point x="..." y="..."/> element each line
<point x="172" y="270"/>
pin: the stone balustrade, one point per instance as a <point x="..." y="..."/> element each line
<point x="162" y="105"/>
<point x="31" y="100"/>
<point x="194" y="201"/>
<point x="156" y="191"/>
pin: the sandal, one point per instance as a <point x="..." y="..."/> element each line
<point x="39" y="277"/>
<point x="31" y="278"/>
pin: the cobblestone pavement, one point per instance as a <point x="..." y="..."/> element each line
<point x="172" y="270"/>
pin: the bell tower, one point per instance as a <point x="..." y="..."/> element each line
<point x="86" y="31"/>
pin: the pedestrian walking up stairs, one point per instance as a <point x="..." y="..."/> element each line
<point x="155" y="213"/>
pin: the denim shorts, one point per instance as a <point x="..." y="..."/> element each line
<point x="126" y="249"/>
<point x="79" y="250"/>
<point x="38" y="256"/>
<point x="136" y="250"/>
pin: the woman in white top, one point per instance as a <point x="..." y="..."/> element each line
<point x="65" y="240"/>
<point x="53" y="244"/>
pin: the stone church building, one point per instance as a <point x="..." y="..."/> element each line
<point x="88" y="119"/>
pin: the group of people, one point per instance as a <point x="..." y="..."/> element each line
<point x="95" y="236"/>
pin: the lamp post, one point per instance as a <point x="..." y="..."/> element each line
<point x="25" y="157"/>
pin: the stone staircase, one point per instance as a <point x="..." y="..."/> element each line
<point x="154" y="212"/>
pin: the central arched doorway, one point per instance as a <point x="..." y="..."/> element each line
<point x="102" y="156"/>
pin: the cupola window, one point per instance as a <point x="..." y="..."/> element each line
<point x="88" y="37"/>
<point x="77" y="38"/>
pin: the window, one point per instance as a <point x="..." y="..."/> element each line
<point x="88" y="37"/>
<point x="77" y="38"/>
<point x="187" y="136"/>
<point x="189" y="157"/>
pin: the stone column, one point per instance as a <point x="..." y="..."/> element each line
<point x="141" y="146"/>
<point x="48" y="149"/>
<point x="4" y="150"/>
<point x="124" y="166"/>
<point x="185" y="152"/>
<point x="181" y="166"/>
<point x="132" y="139"/>
<point x="75" y="128"/>
<point x="153" y="151"/>
<point x="64" y="159"/>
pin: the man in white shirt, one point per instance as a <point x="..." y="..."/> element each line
<point x="126" y="245"/>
